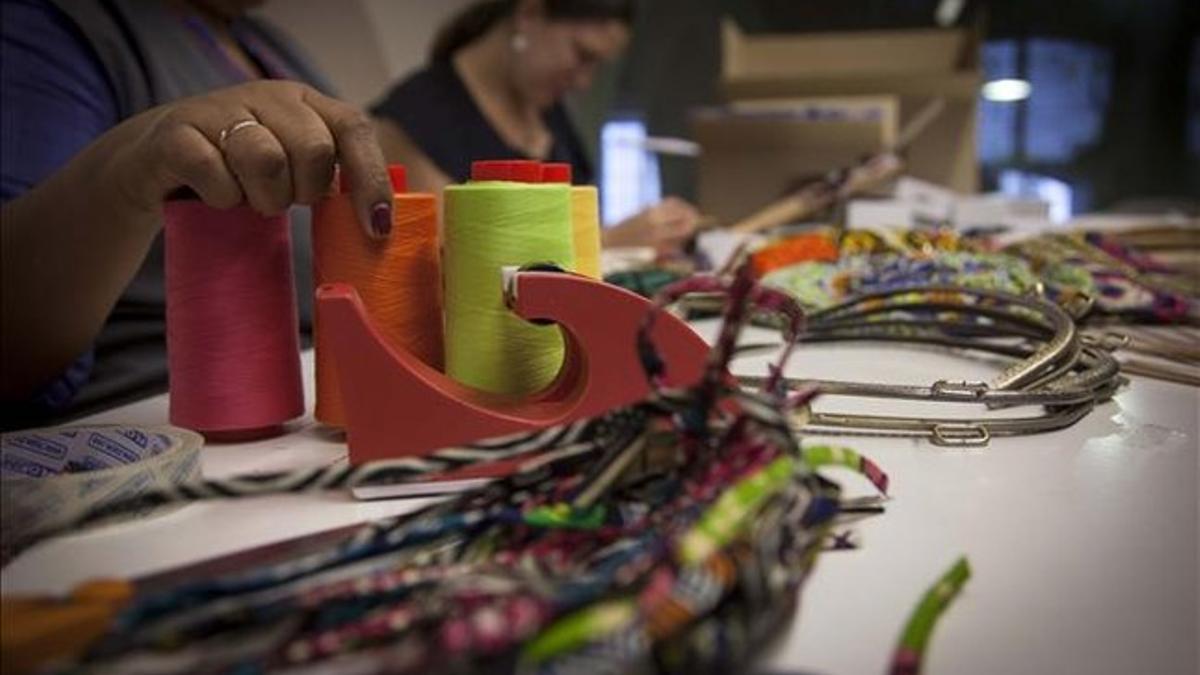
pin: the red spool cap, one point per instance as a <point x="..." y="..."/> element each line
<point x="396" y="172"/>
<point x="399" y="176"/>
<point x="556" y="172"/>
<point x="515" y="170"/>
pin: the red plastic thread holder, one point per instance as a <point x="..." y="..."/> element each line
<point x="396" y="406"/>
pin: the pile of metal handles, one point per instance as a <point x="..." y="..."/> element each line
<point x="1054" y="367"/>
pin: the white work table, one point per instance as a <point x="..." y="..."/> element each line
<point x="1083" y="542"/>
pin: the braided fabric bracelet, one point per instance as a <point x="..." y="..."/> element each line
<point x="672" y="535"/>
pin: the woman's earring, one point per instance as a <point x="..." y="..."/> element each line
<point x="519" y="42"/>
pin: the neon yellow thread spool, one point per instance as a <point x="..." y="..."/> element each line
<point x="489" y="225"/>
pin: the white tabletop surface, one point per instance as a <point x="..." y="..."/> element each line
<point x="1083" y="541"/>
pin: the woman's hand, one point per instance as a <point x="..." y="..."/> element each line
<point x="269" y="144"/>
<point x="664" y="226"/>
<point x="70" y="245"/>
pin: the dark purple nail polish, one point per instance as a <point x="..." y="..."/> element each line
<point x="381" y="219"/>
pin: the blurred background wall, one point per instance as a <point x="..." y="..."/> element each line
<point x="1115" y="110"/>
<point x="363" y="45"/>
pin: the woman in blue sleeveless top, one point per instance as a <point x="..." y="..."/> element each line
<point x="108" y="107"/>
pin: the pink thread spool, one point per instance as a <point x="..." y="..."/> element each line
<point x="233" y="347"/>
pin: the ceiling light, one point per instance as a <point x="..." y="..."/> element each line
<point x="1007" y="90"/>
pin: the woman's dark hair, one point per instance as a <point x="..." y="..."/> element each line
<point x="471" y="23"/>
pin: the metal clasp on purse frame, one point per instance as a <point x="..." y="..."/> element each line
<point x="964" y="435"/>
<point x="976" y="389"/>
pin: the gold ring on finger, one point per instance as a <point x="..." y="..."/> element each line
<point x="232" y="129"/>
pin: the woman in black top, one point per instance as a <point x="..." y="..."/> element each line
<point x="493" y="90"/>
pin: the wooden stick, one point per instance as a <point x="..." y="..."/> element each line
<point x="918" y="124"/>
<point x="819" y="196"/>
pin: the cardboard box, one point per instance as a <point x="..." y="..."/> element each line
<point x="755" y="153"/>
<point x="933" y="62"/>
<point x="907" y="67"/>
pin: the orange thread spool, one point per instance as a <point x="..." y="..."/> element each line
<point x="398" y="279"/>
